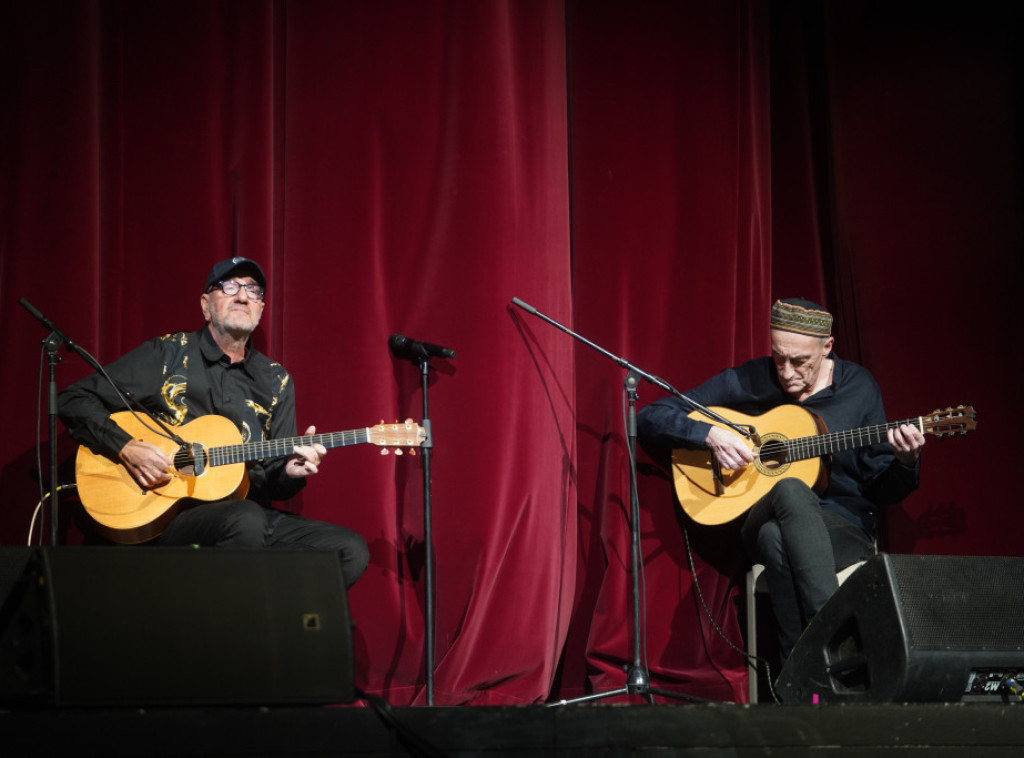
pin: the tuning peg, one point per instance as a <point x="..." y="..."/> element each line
<point x="383" y="451"/>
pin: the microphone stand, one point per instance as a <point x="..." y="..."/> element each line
<point x="638" y="681"/>
<point x="52" y="344"/>
<point x="428" y="577"/>
<point x="420" y="353"/>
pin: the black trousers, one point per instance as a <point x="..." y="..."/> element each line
<point x="802" y="546"/>
<point x="244" y="523"/>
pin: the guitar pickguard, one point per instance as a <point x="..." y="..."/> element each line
<point x="191" y="459"/>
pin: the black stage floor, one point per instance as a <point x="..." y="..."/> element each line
<point x="706" y="730"/>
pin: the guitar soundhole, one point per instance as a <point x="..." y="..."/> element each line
<point x="190" y="460"/>
<point x="772" y="457"/>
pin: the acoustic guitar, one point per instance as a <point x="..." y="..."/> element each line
<point x="209" y="466"/>
<point x="795" y="446"/>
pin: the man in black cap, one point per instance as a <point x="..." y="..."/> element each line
<point x="802" y="537"/>
<point x="180" y="377"/>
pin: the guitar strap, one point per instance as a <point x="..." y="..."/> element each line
<point x="197" y="379"/>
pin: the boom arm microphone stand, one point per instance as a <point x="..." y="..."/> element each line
<point x="52" y="344"/>
<point x="637" y="676"/>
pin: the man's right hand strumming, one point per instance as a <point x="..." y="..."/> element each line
<point x="728" y="448"/>
<point x="147" y="463"/>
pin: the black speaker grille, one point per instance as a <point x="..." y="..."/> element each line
<point x="175" y="626"/>
<point x="961" y="603"/>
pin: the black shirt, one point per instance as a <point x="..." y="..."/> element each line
<point x="180" y="377"/>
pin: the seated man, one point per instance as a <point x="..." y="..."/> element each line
<point x="216" y="370"/>
<point x="803" y="538"/>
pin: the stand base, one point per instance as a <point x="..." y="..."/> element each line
<point x="637" y="683"/>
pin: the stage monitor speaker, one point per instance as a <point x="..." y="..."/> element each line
<point x="136" y="626"/>
<point x="907" y="628"/>
<point x="12" y="565"/>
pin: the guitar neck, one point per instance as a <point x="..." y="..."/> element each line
<point x="837" y="442"/>
<point x="254" y="451"/>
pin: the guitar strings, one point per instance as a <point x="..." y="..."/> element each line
<point x="938" y="423"/>
<point x="227" y="454"/>
<point x="811" y="447"/>
<point x="278" y="447"/>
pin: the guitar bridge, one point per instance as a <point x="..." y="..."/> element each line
<point x="716" y="476"/>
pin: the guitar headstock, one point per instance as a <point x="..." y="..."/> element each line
<point x="398" y="436"/>
<point x="951" y="421"/>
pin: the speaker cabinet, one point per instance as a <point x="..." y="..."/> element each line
<point x="914" y="629"/>
<point x="13" y="561"/>
<point x="163" y="626"/>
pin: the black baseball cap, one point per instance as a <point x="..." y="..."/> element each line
<point x="221" y="270"/>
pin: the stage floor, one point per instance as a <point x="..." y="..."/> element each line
<point x="976" y="730"/>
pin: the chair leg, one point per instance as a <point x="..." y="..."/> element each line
<point x="753" y="575"/>
<point x="752" y="634"/>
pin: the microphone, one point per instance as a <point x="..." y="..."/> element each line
<point x="524" y="306"/>
<point x="404" y="347"/>
<point x="44" y="321"/>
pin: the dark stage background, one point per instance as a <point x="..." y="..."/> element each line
<point x="652" y="174"/>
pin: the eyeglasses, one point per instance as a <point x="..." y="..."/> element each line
<point x="230" y="288"/>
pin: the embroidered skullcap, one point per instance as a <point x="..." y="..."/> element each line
<point x="801" y="316"/>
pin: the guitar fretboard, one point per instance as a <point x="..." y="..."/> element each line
<point x="836" y="442"/>
<point x="254" y="451"/>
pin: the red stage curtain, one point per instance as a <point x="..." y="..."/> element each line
<point x="650" y="174"/>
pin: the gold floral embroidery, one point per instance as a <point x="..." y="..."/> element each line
<point x="262" y="414"/>
<point x="173" y="393"/>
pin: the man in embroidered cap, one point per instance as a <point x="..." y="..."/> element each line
<point x="215" y="370"/>
<point x="802" y="537"/>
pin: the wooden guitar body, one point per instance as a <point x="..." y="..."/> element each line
<point x="694" y="477"/>
<point x="129" y="514"/>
